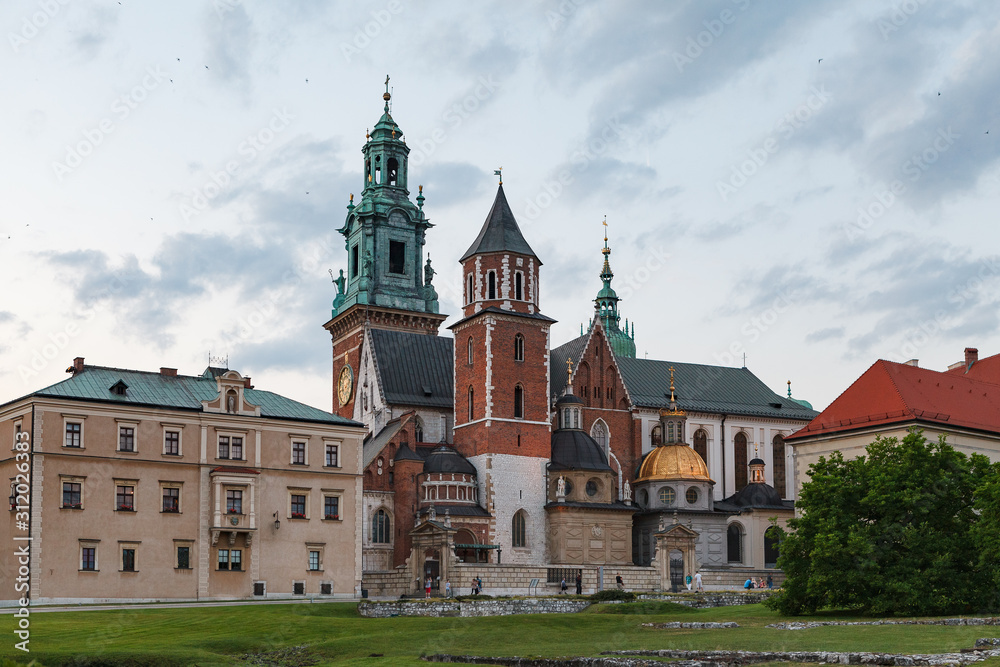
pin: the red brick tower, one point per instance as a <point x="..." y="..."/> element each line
<point x="502" y="383"/>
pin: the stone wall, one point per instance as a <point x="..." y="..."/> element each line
<point x="725" y="578"/>
<point x="705" y="600"/>
<point x="509" y="580"/>
<point x="439" y="608"/>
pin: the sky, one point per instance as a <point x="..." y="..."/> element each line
<point x="812" y="185"/>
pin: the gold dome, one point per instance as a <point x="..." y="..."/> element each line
<point x="673" y="462"/>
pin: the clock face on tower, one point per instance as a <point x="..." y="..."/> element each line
<point x="345" y="385"/>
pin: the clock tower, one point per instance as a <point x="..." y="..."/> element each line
<point x="387" y="282"/>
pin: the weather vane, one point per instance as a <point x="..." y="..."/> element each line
<point x="499" y="172"/>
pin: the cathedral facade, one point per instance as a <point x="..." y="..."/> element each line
<point x="519" y="452"/>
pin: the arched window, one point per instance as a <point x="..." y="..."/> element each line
<point x="518" y="291"/>
<point x="518" y="347"/>
<point x="468" y="290"/>
<point x="518" y="402"/>
<point x="670" y="432"/>
<point x="734" y="543"/>
<point x="418" y="430"/>
<point x="518" y="529"/>
<point x="393" y="171"/>
<point x="656" y="436"/>
<point x="470" y="350"/>
<point x="701" y="444"/>
<point x="381" y="534"/>
<point x="378" y="169"/>
<point x="778" y="451"/>
<point x="491" y="283"/>
<point x="771" y="546"/>
<point x="740" y="459"/>
<point x="599" y="432"/>
<point x="472" y="398"/>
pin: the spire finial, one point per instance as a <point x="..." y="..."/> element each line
<point x="569" y="372"/>
<point x="672" y="398"/>
<point x="605" y="223"/>
<point x="499" y="172"/>
<point x="386" y="96"/>
<point x="789" y="389"/>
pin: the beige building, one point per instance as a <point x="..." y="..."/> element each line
<point x="153" y="486"/>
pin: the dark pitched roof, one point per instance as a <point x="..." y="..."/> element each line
<point x="575" y="450"/>
<point x="500" y="232"/>
<point x="892" y="393"/>
<point x="446" y="459"/>
<point x="557" y="361"/>
<point x="404" y="453"/>
<point x="183" y="392"/>
<point x="376" y="442"/>
<point x="414" y="369"/>
<point x="703" y="388"/>
<point x="501" y="311"/>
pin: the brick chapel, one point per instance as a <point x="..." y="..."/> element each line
<point x="519" y="452"/>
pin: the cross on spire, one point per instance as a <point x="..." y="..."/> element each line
<point x="569" y="371"/>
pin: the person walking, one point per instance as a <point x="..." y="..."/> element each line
<point x="447" y="588"/>
<point x="687" y="581"/>
<point x="770" y="582"/>
<point x="697" y="582"/>
<point x="621" y="583"/>
<point x="563" y="587"/>
<point x="579" y="582"/>
<point x="479" y="585"/>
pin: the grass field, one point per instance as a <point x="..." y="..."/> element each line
<point x="334" y="634"/>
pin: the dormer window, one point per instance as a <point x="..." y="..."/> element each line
<point x="119" y="388"/>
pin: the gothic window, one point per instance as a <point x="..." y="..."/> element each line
<point x="734" y="543"/>
<point x="518" y="530"/>
<point x="418" y="429"/>
<point x="472" y="396"/>
<point x="518" y="290"/>
<point x="518" y="347"/>
<point x="599" y="432"/>
<point x="397" y="257"/>
<point x="778" y="450"/>
<point x="393" y="171"/>
<point x="740" y="459"/>
<point x="380" y="528"/>
<point x="469" y="290"/>
<point x="470" y="350"/>
<point x="701" y="444"/>
<point x="491" y="280"/>
<point x="518" y="402"/>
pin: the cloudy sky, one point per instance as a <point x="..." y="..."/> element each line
<point x="815" y="185"/>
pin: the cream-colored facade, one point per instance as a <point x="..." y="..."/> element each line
<point x="136" y="502"/>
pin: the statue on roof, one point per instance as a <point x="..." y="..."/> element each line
<point x="428" y="271"/>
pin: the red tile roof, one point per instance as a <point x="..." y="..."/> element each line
<point x="987" y="370"/>
<point x="891" y="393"/>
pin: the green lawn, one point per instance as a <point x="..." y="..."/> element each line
<point x="333" y="633"/>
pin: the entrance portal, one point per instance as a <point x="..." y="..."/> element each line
<point x="676" y="570"/>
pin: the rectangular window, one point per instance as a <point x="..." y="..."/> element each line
<point x="88" y="558"/>
<point x="354" y="261"/>
<point x="234" y="501"/>
<point x="235" y="559"/>
<point x="298" y="453"/>
<point x="72" y="495"/>
<point x="259" y="588"/>
<point x="314" y="560"/>
<point x="236" y="450"/>
<point x="223" y="559"/>
<point x="172" y="443"/>
<point x="298" y="588"/>
<point x="125" y="498"/>
<point x="74" y="431"/>
<point x="298" y="506"/>
<point x="331" y="507"/>
<point x="331" y="456"/>
<point x="223" y="447"/>
<point x="171" y="499"/>
<point x="128" y="560"/>
<point x="397" y="257"/>
<point x="326" y="589"/>
<point x="183" y="558"/>
<point x="126" y="439"/>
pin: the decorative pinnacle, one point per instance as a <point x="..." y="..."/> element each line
<point x="386" y="96"/>
<point x="499" y="172"/>
<point x="367" y="136"/>
<point x="672" y="399"/>
<point x="789" y="389"/>
<point x="569" y="372"/>
<point x="350" y="205"/>
<point x="420" y="197"/>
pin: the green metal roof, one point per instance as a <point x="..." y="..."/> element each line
<point x="183" y="392"/>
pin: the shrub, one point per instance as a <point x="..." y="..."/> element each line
<point x="613" y="594"/>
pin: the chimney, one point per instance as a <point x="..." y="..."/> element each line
<point x="912" y="362"/>
<point x="77" y="366"/>
<point x="169" y="372"/>
<point x="971" y="356"/>
<point x="246" y="383"/>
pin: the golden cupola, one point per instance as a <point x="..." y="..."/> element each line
<point x="673" y="462"/>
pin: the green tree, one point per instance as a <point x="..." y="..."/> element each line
<point x="893" y="532"/>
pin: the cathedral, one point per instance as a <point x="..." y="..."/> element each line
<point x="494" y="446"/>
